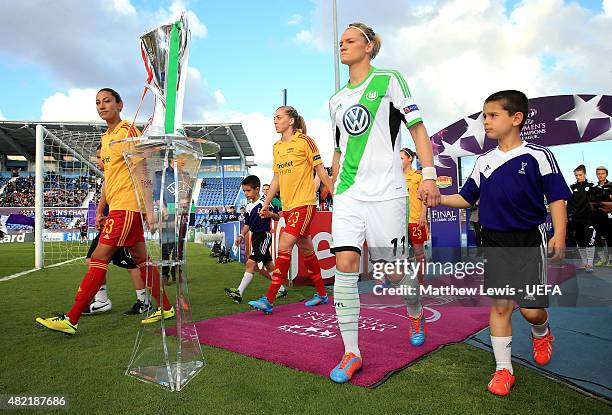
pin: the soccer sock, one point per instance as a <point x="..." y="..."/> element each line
<point x="346" y="303"/>
<point x="502" y="349"/>
<point x="540" y="330"/>
<point x="150" y="276"/>
<point x="583" y="256"/>
<point x="590" y="252"/>
<point x="410" y="294"/>
<point x="141" y="295"/>
<point x="314" y="269"/>
<point x="92" y="281"/>
<point x="102" y="294"/>
<point x="246" y="280"/>
<point x="283" y="262"/>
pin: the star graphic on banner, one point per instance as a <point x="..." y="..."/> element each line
<point x="455" y="151"/>
<point x="475" y="128"/>
<point x="583" y="112"/>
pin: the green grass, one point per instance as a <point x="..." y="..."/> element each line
<point x="89" y="368"/>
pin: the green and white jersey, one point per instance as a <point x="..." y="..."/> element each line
<point x="366" y="121"/>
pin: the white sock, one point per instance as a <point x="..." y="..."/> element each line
<point x="502" y="349"/>
<point x="141" y="295"/>
<point x="102" y="294"/>
<point x="246" y="280"/>
<point x="540" y="330"/>
<point x="583" y="257"/>
<point x="346" y="303"/>
<point x="413" y="304"/>
<point x="282" y="288"/>
<point x="590" y="251"/>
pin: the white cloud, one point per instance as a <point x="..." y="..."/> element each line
<point x="455" y="54"/>
<point x="295" y="19"/>
<point x="2" y="117"/>
<point x="73" y="44"/>
<point x="304" y="36"/>
<point x="77" y="105"/>
<point x="219" y="97"/>
<point x="607" y="7"/>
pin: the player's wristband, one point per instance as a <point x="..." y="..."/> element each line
<point x="429" y="173"/>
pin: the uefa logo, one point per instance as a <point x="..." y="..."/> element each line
<point x="356" y="119"/>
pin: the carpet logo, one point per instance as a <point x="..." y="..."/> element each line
<point x="325" y="326"/>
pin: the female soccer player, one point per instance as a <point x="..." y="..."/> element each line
<point x="295" y="157"/>
<point x="122" y="227"/>
<point x="417" y="210"/>
<point x="370" y="201"/>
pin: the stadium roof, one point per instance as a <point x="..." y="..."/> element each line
<point x="19" y="137"/>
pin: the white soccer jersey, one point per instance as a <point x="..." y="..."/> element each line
<point x="366" y="120"/>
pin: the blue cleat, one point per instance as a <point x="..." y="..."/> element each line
<point x="262" y="304"/>
<point x="350" y="364"/>
<point x="316" y="300"/>
<point x="418" y="330"/>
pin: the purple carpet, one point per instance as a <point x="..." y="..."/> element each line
<point x="308" y="339"/>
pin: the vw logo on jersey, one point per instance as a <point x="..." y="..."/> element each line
<point x="356" y="119"/>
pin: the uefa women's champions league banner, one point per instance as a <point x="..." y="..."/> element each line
<point x="551" y="121"/>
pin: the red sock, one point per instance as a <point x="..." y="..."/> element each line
<point x="92" y="281"/>
<point x="312" y="265"/>
<point x="150" y="276"/>
<point x="283" y="262"/>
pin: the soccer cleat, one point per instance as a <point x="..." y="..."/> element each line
<point x="350" y="364"/>
<point x="58" y="323"/>
<point x="281" y="294"/>
<point x="234" y="294"/>
<point x="601" y="263"/>
<point x="588" y="269"/>
<point x="98" y="307"/>
<point x="138" y="308"/>
<point x="316" y="300"/>
<point x="542" y="348"/>
<point x="262" y="304"/>
<point x="501" y="382"/>
<point x="418" y="330"/>
<point x="155" y="317"/>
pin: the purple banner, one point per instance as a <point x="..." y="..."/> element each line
<point x="16" y="219"/>
<point x="554" y="120"/>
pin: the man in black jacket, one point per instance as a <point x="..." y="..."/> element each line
<point x="580" y="224"/>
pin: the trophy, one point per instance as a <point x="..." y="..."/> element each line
<point x="164" y="165"/>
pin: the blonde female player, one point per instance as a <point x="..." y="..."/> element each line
<point x="417" y="210"/>
<point x="370" y="201"/>
<point x="295" y="157"/>
<point x="123" y="225"/>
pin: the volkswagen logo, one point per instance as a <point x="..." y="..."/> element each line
<point x="356" y="119"/>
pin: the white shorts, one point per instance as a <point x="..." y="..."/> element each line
<point x="381" y="224"/>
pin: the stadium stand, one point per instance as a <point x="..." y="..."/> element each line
<point x="211" y="192"/>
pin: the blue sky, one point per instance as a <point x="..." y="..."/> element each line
<point x="453" y="53"/>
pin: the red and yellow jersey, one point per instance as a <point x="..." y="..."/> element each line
<point x="118" y="186"/>
<point x="415" y="205"/>
<point x="294" y="162"/>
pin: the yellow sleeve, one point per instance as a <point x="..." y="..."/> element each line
<point x="312" y="151"/>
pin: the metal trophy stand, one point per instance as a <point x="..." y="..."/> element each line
<point x="164" y="171"/>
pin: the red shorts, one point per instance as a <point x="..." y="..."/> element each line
<point x="297" y="221"/>
<point x="122" y="228"/>
<point x="417" y="234"/>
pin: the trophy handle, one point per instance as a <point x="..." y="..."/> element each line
<point x="155" y="91"/>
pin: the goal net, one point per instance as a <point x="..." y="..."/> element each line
<point x="67" y="189"/>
